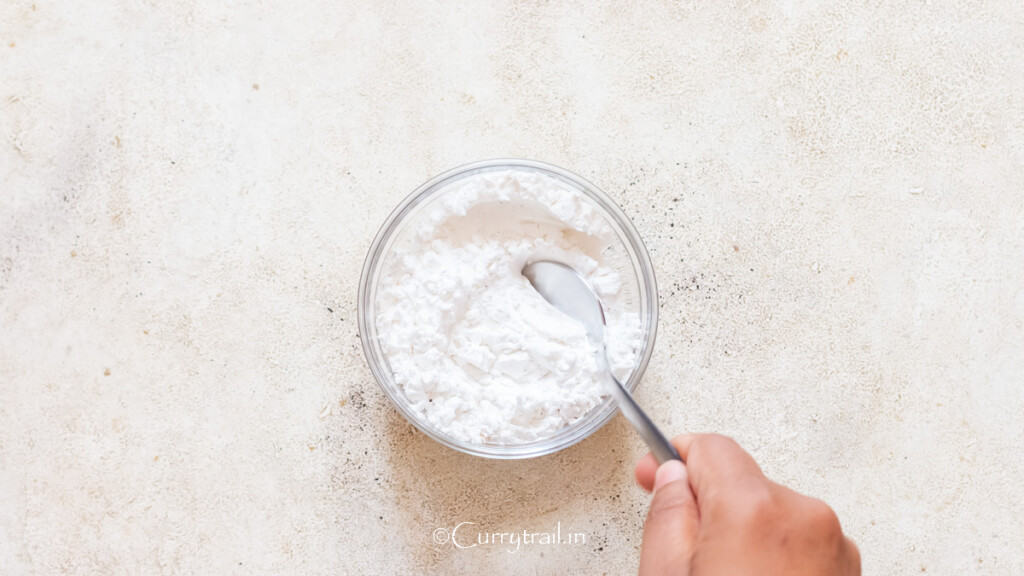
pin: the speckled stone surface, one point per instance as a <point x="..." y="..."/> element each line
<point x="832" y="197"/>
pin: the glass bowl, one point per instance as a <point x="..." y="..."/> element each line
<point x="644" y="288"/>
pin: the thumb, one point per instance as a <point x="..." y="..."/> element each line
<point x="670" y="532"/>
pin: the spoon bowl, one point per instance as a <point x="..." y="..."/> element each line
<point x="570" y="293"/>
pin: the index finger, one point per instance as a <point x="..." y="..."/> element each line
<point x="714" y="462"/>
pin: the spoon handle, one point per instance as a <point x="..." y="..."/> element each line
<point x="662" y="449"/>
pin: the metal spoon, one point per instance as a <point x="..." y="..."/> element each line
<point x="566" y="290"/>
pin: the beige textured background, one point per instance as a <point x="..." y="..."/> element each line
<point x="832" y="197"/>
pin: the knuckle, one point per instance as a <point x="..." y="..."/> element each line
<point x="822" y="519"/>
<point x="762" y="505"/>
<point x="758" y="506"/>
<point x="853" y="556"/>
<point x="715" y="444"/>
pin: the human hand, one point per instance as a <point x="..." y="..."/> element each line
<point x="719" y="515"/>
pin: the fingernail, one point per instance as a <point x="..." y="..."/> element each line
<point x="669" y="472"/>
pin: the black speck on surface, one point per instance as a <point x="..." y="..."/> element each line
<point x="329" y="309"/>
<point x="357" y="400"/>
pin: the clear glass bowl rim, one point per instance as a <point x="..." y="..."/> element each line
<point x="596" y="418"/>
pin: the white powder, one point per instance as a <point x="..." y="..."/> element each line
<point x="479" y="353"/>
